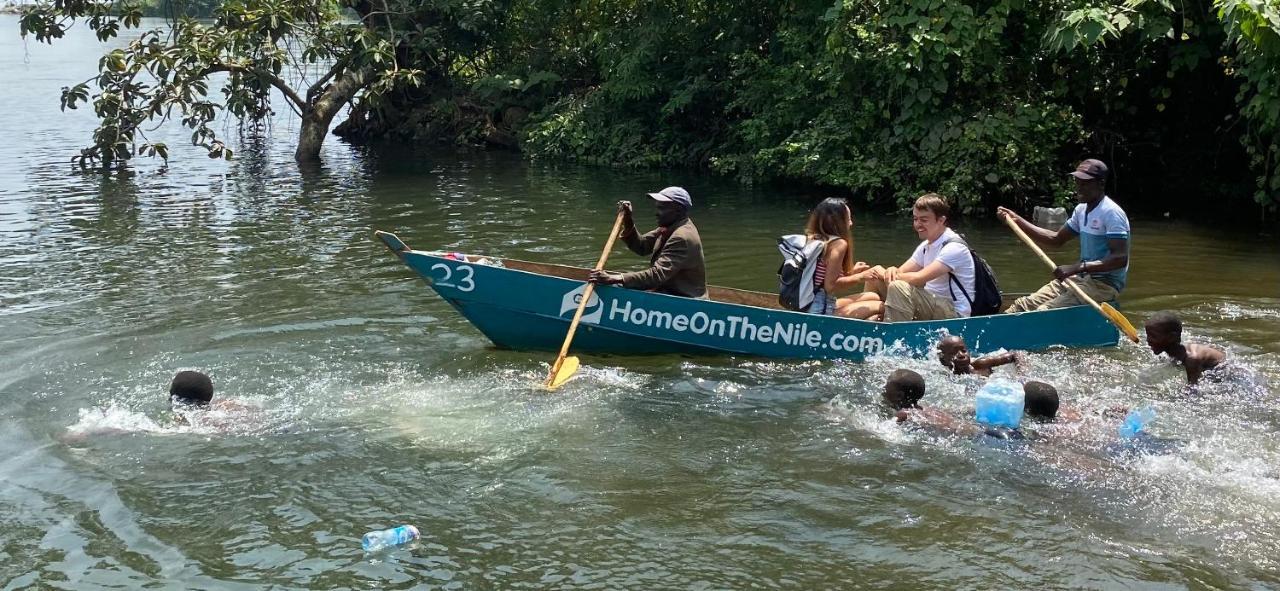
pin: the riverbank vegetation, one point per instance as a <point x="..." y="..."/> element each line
<point x="315" y="55"/>
<point x="988" y="101"/>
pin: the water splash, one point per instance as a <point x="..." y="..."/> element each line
<point x="114" y="419"/>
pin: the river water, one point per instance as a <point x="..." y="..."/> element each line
<point x="370" y="402"/>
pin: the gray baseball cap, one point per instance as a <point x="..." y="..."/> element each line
<point x="674" y="195"/>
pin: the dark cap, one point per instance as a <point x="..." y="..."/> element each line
<point x="674" y="195"/>
<point x="1090" y="169"/>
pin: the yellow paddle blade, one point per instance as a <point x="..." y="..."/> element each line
<point x="1120" y="321"/>
<point x="561" y="374"/>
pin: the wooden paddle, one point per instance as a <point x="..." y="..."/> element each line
<point x="1105" y="309"/>
<point x="564" y="367"/>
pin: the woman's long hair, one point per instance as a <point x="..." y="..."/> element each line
<point x="829" y="220"/>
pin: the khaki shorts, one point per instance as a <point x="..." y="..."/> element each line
<point x="1057" y="295"/>
<point x="904" y="301"/>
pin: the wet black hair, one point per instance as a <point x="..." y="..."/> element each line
<point x="903" y="389"/>
<point x="1040" y="400"/>
<point x="191" y="387"/>
<point x="1167" y="322"/>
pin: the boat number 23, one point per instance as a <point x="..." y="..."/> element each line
<point x="462" y="282"/>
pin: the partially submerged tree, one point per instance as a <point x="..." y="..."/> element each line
<point x="313" y="53"/>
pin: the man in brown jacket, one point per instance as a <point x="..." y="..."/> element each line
<point x="676" y="266"/>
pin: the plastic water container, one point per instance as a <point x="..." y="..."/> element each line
<point x="999" y="403"/>
<point x="400" y="534"/>
<point x="1137" y="421"/>
<point x="1049" y="217"/>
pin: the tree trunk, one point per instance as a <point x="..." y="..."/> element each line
<point x="311" y="136"/>
<point x="317" y="116"/>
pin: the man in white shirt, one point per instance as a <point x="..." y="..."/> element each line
<point x="937" y="282"/>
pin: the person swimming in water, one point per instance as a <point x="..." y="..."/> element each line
<point x="902" y="393"/>
<point x="905" y="388"/>
<point x="1065" y="428"/>
<point x="191" y="399"/>
<point x="1075" y="437"/>
<point x="194" y="389"/>
<point x="1042" y="404"/>
<point x="1164" y="335"/>
<point x="1053" y="422"/>
<point x="1040" y="401"/>
<point x="954" y="355"/>
<point x="191" y="404"/>
<point x="191" y="388"/>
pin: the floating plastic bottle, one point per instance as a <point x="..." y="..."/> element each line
<point x="400" y="534"/>
<point x="999" y="403"/>
<point x="1137" y="421"/>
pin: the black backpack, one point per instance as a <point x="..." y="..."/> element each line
<point x="795" y="275"/>
<point x="986" y="299"/>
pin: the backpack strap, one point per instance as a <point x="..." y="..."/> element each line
<point x="956" y="280"/>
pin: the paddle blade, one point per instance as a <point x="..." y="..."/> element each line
<point x="560" y="375"/>
<point x="1120" y="321"/>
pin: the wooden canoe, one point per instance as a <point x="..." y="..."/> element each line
<point x="527" y="306"/>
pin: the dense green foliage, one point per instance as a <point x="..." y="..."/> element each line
<point x="889" y="100"/>
<point x="988" y="101"/>
<point x="1253" y="27"/>
<point x="1209" y="71"/>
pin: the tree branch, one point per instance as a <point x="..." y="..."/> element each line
<point x="343" y="89"/>
<point x="318" y="86"/>
<point x="298" y="102"/>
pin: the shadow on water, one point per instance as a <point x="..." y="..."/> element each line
<point x="372" y="403"/>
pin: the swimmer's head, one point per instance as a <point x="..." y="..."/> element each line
<point x="1040" y="400"/>
<point x="1164" y="330"/>
<point x="954" y="354"/>
<point x="903" y="389"/>
<point x="191" y="387"/>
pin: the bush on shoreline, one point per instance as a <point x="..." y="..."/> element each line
<point x="986" y="101"/>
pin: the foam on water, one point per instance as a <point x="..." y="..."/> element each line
<point x="221" y="417"/>
<point x="1215" y="476"/>
<point x="1211" y="467"/>
<point x="872" y="422"/>
<point x="491" y="412"/>
<point x="1208" y="489"/>
<point x="114" y="419"/>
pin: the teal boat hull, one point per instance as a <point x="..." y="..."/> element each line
<point x="519" y="309"/>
